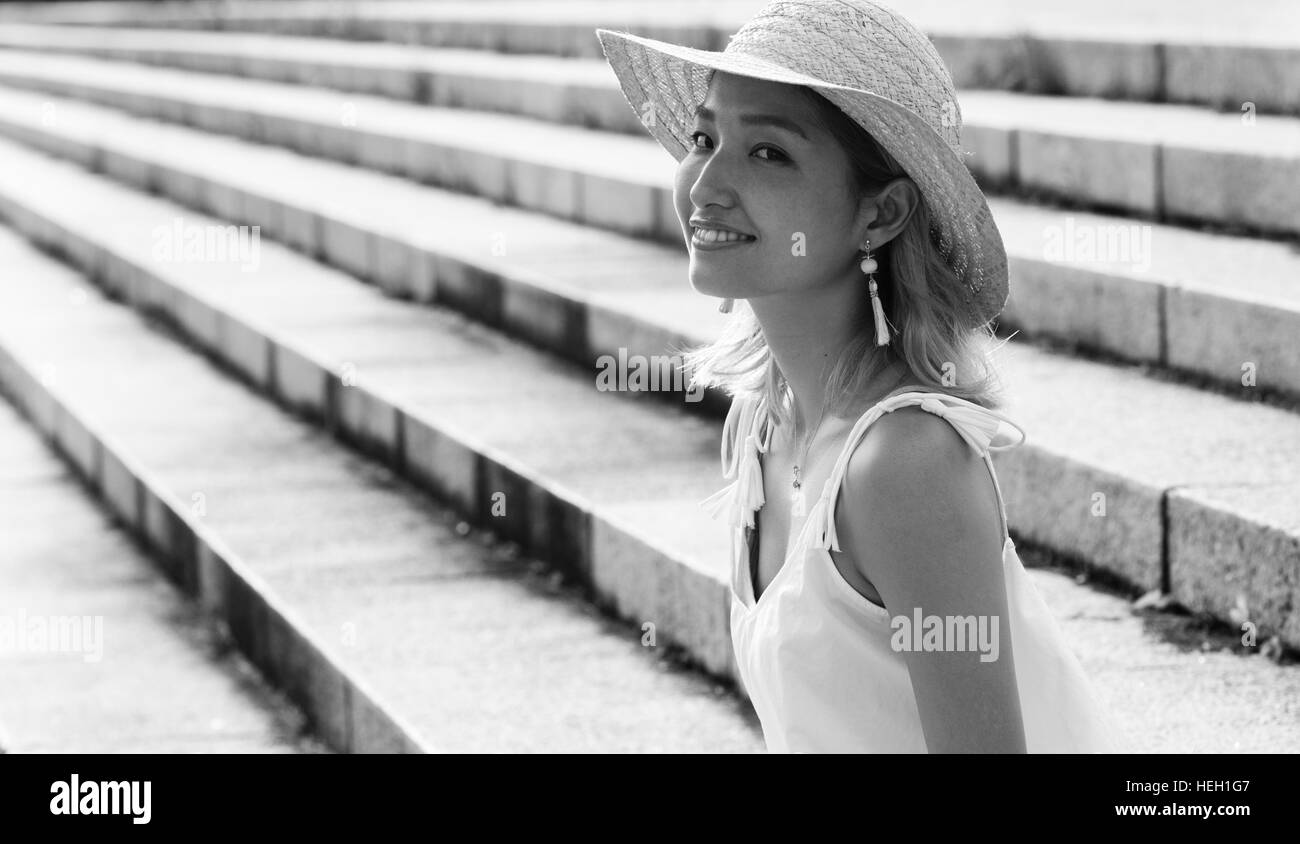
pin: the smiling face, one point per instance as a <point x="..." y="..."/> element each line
<point x="791" y="190"/>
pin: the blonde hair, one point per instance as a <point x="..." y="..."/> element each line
<point x="921" y="295"/>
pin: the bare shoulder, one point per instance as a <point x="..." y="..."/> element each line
<point x="914" y="490"/>
<point x="911" y="450"/>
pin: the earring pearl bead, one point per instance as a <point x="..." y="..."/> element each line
<point x="868" y="265"/>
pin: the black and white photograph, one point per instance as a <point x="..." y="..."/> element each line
<point x="651" y="377"/>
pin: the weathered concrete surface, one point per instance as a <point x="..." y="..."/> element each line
<point x="158" y="679"/>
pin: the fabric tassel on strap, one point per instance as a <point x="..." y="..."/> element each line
<point x="822" y="522"/>
<point x="739" y="499"/>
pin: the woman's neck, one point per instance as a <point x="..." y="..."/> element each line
<point x="806" y="333"/>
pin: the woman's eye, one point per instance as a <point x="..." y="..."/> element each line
<point x="694" y="136"/>
<point x="779" y="155"/>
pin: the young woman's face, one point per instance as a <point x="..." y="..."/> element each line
<point x="791" y="193"/>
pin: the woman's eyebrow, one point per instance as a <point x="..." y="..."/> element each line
<point x="752" y="119"/>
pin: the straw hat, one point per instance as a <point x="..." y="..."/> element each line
<point x="878" y="69"/>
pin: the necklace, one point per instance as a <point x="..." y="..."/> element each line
<point x="797" y="484"/>
<point x="797" y="505"/>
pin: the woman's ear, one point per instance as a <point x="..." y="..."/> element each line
<point x="883" y="215"/>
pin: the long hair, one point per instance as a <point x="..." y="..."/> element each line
<point x="919" y="291"/>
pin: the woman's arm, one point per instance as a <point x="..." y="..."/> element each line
<point x="919" y="519"/>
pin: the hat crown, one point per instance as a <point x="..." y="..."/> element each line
<point x="857" y="44"/>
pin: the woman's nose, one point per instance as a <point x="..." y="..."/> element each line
<point x="711" y="182"/>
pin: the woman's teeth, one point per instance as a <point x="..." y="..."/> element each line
<point x="718" y="236"/>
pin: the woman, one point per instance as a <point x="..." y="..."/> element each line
<point x="820" y="181"/>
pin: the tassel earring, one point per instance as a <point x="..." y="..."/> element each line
<point x="868" y="267"/>
<point x="725" y="307"/>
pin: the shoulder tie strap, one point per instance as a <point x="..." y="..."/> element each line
<point x="741" y="446"/>
<point x="980" y="427"/>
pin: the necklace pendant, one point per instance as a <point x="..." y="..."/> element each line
<point x="797" y="504"/>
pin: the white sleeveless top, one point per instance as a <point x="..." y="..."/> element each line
<point x="814" y="654"/>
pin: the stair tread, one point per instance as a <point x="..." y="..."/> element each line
<point x="1166" y="124"/>
<point x="291" y="48"/>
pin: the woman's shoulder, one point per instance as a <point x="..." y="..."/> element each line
<point x="914" y="500"/>
<point x="912" y="468"/>
<point x="909" y="445"/>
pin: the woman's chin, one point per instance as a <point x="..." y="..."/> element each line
<point x="715" y="293"/>
<point x="706" y="284"/>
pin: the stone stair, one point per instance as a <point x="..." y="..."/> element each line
<point x="513" y="224"/>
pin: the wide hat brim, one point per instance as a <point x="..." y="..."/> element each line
<point x="674" y="81"/>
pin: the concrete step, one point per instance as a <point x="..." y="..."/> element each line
<point x="1127" y="49"/>
<point x="574" y="91"/>
<point x="1146" y="293"/>
<point x="97" y="653"/>
<point x="342" y="583"/>
<point x="1163" y="162"/>
<point x="1196" y="494"/>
